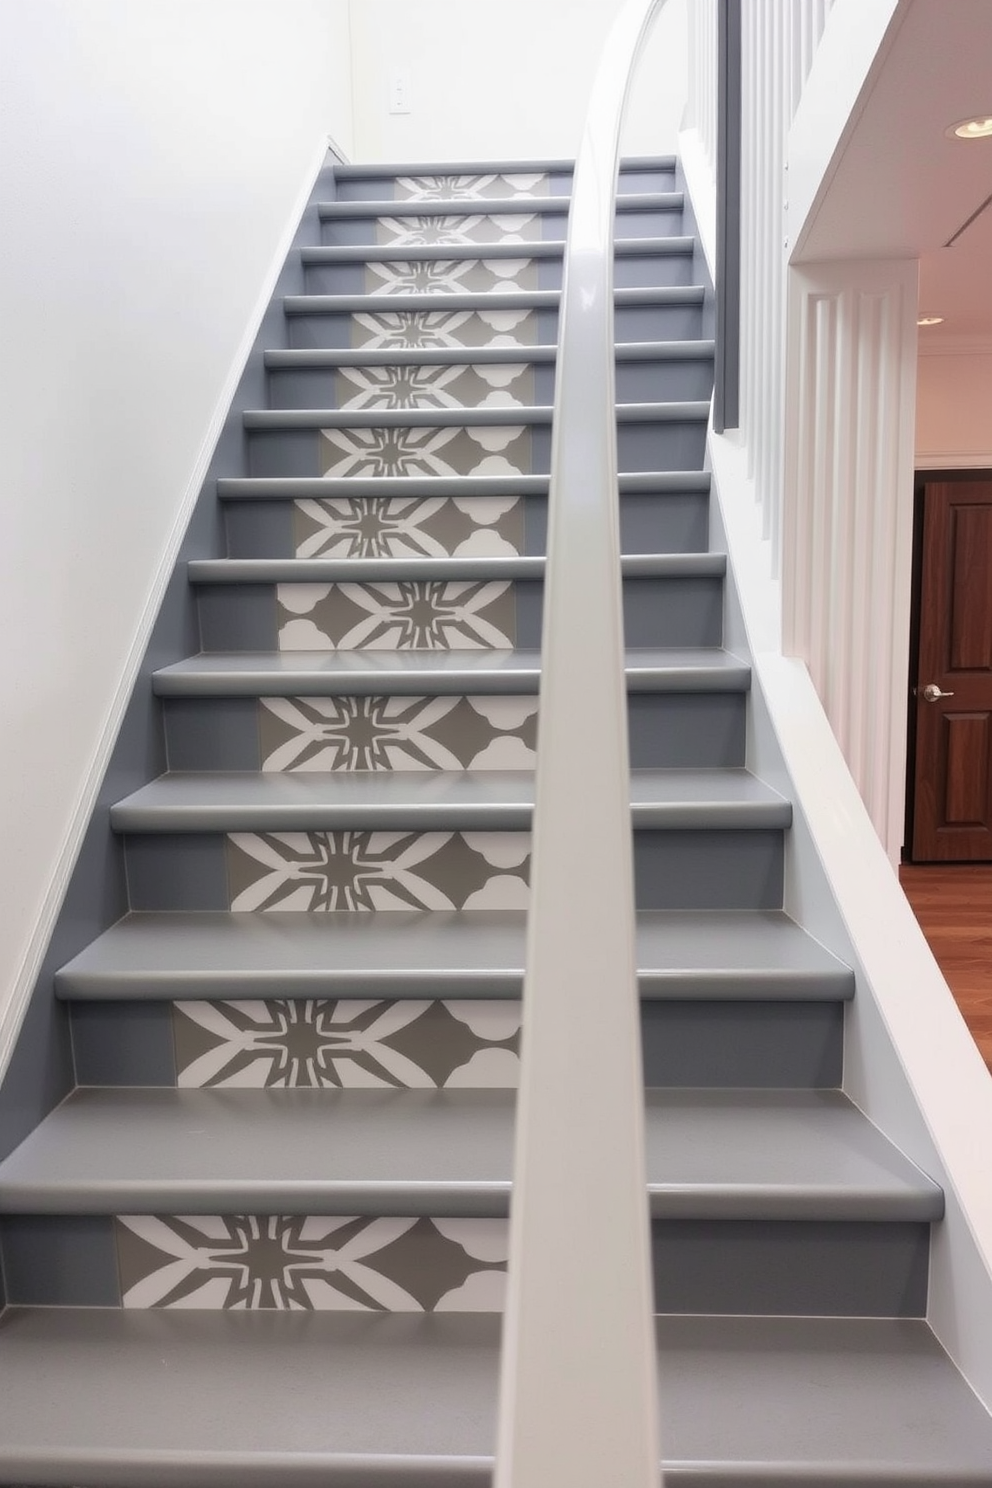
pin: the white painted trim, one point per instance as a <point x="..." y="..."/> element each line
<point x="954" y="459"/>
<point x="16" y="1005"/>
<point x="856" y="39"/>
<point x="847" y="556"/>
<point x="336" y="150"/>
<point x="909" y="1062"/>
<point x="700" y="183"/>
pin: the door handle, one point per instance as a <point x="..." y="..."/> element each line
<point x="931" y="692"/>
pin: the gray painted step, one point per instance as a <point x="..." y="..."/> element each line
<point x="297" y="358"/>
<point x="411" y="1400"/>
<point x="454" y="252"/>
<point x="279" y="419"/>
<point x="784" y="1155"/>
<point x="395" y="570"/>
<point x="689" y="956"/>
<point x="292" y="488"/>
<point x="549" y="166"/>
<point x="692" y="800"/>
<point x="431" y="1385"/>
<point x="370" y="673"/>
<point x="510" y="299"/>
<point x="641" y="201"/>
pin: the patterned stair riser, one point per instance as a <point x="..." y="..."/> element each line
<point x="453" y="186"/>
<point x="312" y="1263"/>
<point x="500" y="185"/>
<point x="497" y="384"/>
<point x="461" y="449"/>
<point x="412" y="1044"/>
<point x="483" y="270"/>
<point x="411" y="527"/>
<point x="441" y="614"/>
<point x="385" y="526"/>
<point x="468" y="384"/>
<point x="423" y="330"/>
<point x="433" y="1042"/>
<point x="401" y="1263"/>
<point x="327" y="871"/>
<point x="381" y="328"/>
<point x="434" y="732"/>
<point x="415" y="615"/>
<point x="398" y="733"/>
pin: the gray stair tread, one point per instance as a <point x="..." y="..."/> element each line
<point x="411" y="1399"/>
<point x="280" y="419"/>
<point x="325" y="673"/>
<point x="662" y="482"/>
<point x="461" y="206"/>
<point x="433" y="800"/>
<point x="556" y="165"/>
<point x="713" y="954"/>
<point x="507" y="299"/>
<point x="711" y="1154"/>
<point x="297" y="358"/>
<point x="451" y="252"/>
<point x="392" y="570"/>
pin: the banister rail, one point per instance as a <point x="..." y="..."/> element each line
<point x="578" y="1396"/>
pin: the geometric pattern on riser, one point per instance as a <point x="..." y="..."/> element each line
<point x="378" y="326"/>
<point x="481" y="275"/>
<point x="467" y="385"/>
<point x="665" y="730"/>
<point x="726" y="868"/>
<point x="441" y="1043"/>
<point x="465" y="228"/>
<point x="401" y="1264"/>
<point x="429" y="614"/>
<point x="458" y="450"/>
<point x="667" y="523"/>
<point x="474" y="186"/>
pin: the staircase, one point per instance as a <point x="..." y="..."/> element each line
<point x="264" y="1239"/>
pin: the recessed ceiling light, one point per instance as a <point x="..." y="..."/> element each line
<point x="926" y="320"/>
<point x="977" y="128"/>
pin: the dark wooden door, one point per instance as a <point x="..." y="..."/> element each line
<point x="952" y="819"/>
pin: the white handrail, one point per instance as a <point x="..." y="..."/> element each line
<point x="578" y="1397"/>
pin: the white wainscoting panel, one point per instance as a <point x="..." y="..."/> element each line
<point x="847" y="548"/>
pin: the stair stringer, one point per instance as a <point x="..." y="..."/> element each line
<point x="909" y="1062"/>
<point x="39" y="1072"/>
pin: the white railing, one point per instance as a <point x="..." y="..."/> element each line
<point x="578" y="1400"/>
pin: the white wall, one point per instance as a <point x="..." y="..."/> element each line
<point x="152" y="157"/>
<point x="503" y="78"/>
<point x="954" y="407"/>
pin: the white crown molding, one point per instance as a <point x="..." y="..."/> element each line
<point x="954" y="459"/>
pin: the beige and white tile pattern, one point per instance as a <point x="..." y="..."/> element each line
<point x="451" y="276"/>
<point x="494" y="385"/>
<point x="456" y="449"/>
<point x="397" y="733"/>
<point x="412" y="615"/>
<point x="464" y="228"/>
<point x="409" y="527"/>
<point x="452" y="186"/>
<point x="377" y="871"/>
<point x="317" y="1263"/>
<point x="348" y="1044"/>
<point x="384" y="330"/>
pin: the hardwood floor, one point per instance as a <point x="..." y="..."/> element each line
<point x="953" y="903"/>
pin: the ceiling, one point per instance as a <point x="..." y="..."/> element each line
<point x="901" y="187"/>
